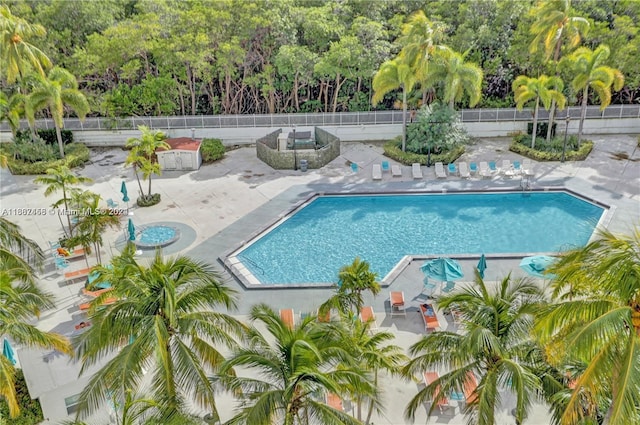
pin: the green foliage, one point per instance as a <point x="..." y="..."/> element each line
<point x="76" y="155"/>
<point x="392" y="150"/>
<point x="551" y="151"/>
<point x="30" y="410"/>
<point x="148" y="200"/>
<point x="541" y="130"/>
<point x="46" y="134"/>
<point x="437" y="129"/>
<point x="212" y="150"/>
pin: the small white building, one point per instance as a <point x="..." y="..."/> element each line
<point x="183" y="155"/>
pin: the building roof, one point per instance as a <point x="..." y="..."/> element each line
<point x="183" y="144"/>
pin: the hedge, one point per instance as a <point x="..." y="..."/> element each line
<point x="49" y="135"/>
<point x="76" y="154"/>
<point x="212" y="150"/>
<point x="30" y="410"/>
<point x="570" y="155"/>
<point x="392" y="150"/>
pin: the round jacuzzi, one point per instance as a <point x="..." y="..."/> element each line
<point x="157" y="236"/>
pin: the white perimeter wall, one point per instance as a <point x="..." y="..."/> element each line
<point x="233" y="136"/>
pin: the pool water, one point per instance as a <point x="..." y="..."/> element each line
<point x="156" y="236"/>
<point x="315" y="242"/>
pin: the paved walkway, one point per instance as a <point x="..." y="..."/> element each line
<point x="222" y="204"/>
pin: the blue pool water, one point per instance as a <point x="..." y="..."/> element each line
<point x="328" y="233"/>
<point x="156" y="235"/>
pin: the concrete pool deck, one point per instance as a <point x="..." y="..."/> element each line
<point x="226" y="202"/>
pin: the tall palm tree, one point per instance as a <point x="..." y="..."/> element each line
<point x="292" y="371"/>
<point x="17" y="55"/>
<point x="94" y="220"/>
<point x="394" y="74"/>
<point x="458" y="77"/>
<point x="11" y="108"/>
<point x="527" y="89"/>
<point x="600" y="327"/>
<point x="553" y="25"/>
<point x="55" y="91"/>
<point x="591" y="72"/>
<point x="165" y="319"/>
<point x="495" y="345"/>
<point x="420" y="40"/>
<point x="353" y="280"/>
<point x="20" y="299"/>
<point x="142" y="153"/>
<point x="373" y="353"/>
<point x="61" y="178"/>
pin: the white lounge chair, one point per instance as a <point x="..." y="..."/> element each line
<point x="485" y="172"/>
<point x="440" y="173"/>
<point x="507" y="169"/>
<point x="416" y="170"/>
<point x="464" y="170"/>
<point x="376" y="172"/>
<point x="527" y="169"/>
<point x="396" y="171"/>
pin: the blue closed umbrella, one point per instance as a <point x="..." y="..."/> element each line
<point x="537" y="265"/>
<point x="482" y="265"/>
<point x="444" y="269"/>
<point x="7" y="351"/>
<point x="132" y="230"/>
<point x="123" y="190"/>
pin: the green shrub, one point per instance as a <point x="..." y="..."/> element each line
<point x="48" y="135"/>
<point x="437" y="129"/>
<point x="551" y="151"/>
<point x="148" y="200"/>
<point x="76" y="155"/>
<point x="25" y="150"/>
<point x="212" y="150"/>
<point x="393" y="149"/>
<point x="30" y="410"/>
<point x="541" y="129"/>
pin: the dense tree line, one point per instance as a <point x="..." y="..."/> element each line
<point x="149" y="57"/>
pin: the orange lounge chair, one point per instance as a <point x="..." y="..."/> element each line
<point x="326" y="318"/>
<point x="95" y="294"/>
<point x="469" y="389"/>
<point x="77" y="274"/>
<point x="396" y="299"/>
<point x="287" y="317"/>
<point x="429" y="378"/>
<point x="368" y="316"/>
<point x="429" y="317"/>
<point x="335" y="402"/>
<point x="108" y="301"/>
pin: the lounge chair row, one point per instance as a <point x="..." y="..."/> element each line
<point x="378" y="169"/>
<point x="486" y="169"/>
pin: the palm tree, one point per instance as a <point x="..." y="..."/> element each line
<point x="373" y="353"/>
<point x="419" y="41"/>
<point x="496" y="346"/>
<point x="552" y="26"/>
<point x="94" y="221"/>
<point x="353" y="280"/>
<point x="590" y="72"/>
<point x="11" y="108"/>
<point x="142" y="154"/>
<point x="61" y="178"/>
<point x="458" y="77"/>
<point x="527" y="89"/>
<point x="55" y="91"/>
<point x="165" y="319"/>
<point x="291" y="375"/>
<point x="601" y="327"/>
<point x="392" y="75"/>
<point x="18" y="55"/>
<point x="20" y="299"/>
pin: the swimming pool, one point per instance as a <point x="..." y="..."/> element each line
<point x="312" y="244"/>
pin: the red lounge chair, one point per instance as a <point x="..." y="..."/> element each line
<point x="429" y="317"/>
<point x="368" y="316"/>
<point x="108" y="301"/>
<point x="335" y="402"/>
<point x="95" y="294"/>
<point x="287" y="317"/>
<point x="429" y="378"/>
<point x="396" y="299"/>
<point x="469" y="389"/>
<point x="76" y="274"/>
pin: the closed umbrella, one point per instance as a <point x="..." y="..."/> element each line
<point x="123" y="190"/>
<point x="132" y="230"/>
<point x="482" y="266"/>
<point x="537" y="265"/>
<point x="7" y="351"/>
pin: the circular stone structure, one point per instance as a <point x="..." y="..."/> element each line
<point x="157" y="236"/>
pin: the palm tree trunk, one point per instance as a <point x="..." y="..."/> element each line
<point x="371" y="402"/>
<point x="535" y="124"/>
<point x="66" y="210"/>
<point x="583" y="112"/>
<point x="551" y="116"/>
<point x="135" y="171"/>
<point x="59" y="137"/>
<point x="149" y="185"/>
<point x="404" y="119"/>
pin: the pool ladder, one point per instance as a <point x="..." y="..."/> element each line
<point x="524" y="183"/>
<point x="253" y="263"/>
